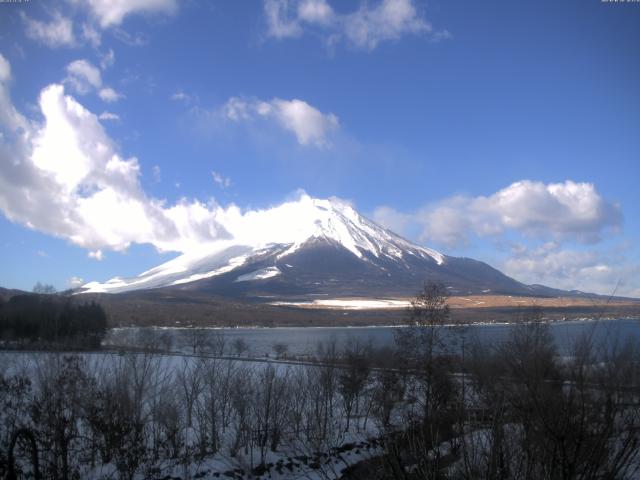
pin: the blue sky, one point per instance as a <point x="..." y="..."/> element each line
<point x="503" y="131"/>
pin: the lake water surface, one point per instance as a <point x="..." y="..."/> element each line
<point x="305" y="340"/>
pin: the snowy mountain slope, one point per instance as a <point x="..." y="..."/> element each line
<point x="313" y="246"/>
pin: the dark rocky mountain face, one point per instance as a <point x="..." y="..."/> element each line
<point x="323" y="267"/>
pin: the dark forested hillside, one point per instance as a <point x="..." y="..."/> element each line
<point x="51" y="319"/>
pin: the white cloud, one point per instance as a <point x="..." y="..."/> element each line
<point x="556" y="225"/>
<point x="315" y="11"/>
<point x="279" y="24"/>
<point x="307" y="123"/>
<point x="185" y="98"/>
<point x="364" y="28"/>
<point x="591" y="270"/>
<point x="83" y="76"/>
<point x="179" y="96"/>
<point x="391" y="219"/>
<point x="103" y="14"/>
<point x="109" y="116"/>
<point x="96" y="255"/>
<point x="91" y="35"/>
<point x="75" y="282"/>
<point x="112" y="12"/>
<point x="220" y="180"/>
<point x="57" y="33"/>
<point x="64" y="176"/>
<point x="131" y="39"/>
<point x="108" y="59"/>
<point x="391" y="19"/>
<point x="15" y="125"/>
<point x="109" y="95"/>
<point x="569" y="210"/>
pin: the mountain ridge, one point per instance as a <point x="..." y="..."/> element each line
<point x="322" y="247"/>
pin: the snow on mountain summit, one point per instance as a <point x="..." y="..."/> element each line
<point x="295" y="223"/>
<point x="287" y="227"/>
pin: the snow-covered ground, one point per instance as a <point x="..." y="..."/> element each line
<point x="349" y="304"/>
<point x="274" y="398"/>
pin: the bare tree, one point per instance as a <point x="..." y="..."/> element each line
<point x="542" y="418"/>
<point x="241" y="394"/>
<point x="270" y="408"/>
<point x="352" y="379"/>
<point x="56" y="409"/>
<point x="280" y="349"/>
<point x="214" y="404"/>
<point x="240" y="346"/>
<point x="422" y="351"/>
<point x="189" y="379"/>
<point x="196" y="339"/>
<point x="16" y="391"/>
<point x="216" y="343"/>
<point x="166" y="340"/>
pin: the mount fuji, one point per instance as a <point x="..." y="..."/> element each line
<point x="316" y="247"/>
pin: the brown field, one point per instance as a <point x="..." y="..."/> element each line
<point x="176" y="310"/>
<point x="492" y="301"/>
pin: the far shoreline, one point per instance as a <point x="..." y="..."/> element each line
<point x="547" y="321"/>
<point x="189" y="309"/>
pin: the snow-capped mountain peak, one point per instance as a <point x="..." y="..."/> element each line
<point x="295" y="223"/>
<point x="280" y="231"/>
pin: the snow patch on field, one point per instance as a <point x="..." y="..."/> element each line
<point x="349" y="304"/>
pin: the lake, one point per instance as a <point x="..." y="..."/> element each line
<point x="304" y="341"/>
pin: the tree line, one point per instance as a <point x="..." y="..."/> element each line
<point x="45" y="319"/>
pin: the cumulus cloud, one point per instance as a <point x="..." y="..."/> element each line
<point x="316" y="11"/>
<point x="56" y="33"/>
<point x="64" y="176"/>
<point x="572" y="210"/>
<point x="391" y="19"/>
<point x="364" y="28"/>
<point x="392" y="219"/>
<point x="307" y="123"/>
<point x="556" y="226"/>
<point x="604" y="272"/>
<point x="84" y="77"/>
<point x="110" y="13"/>
<point x="109" y="95"/>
